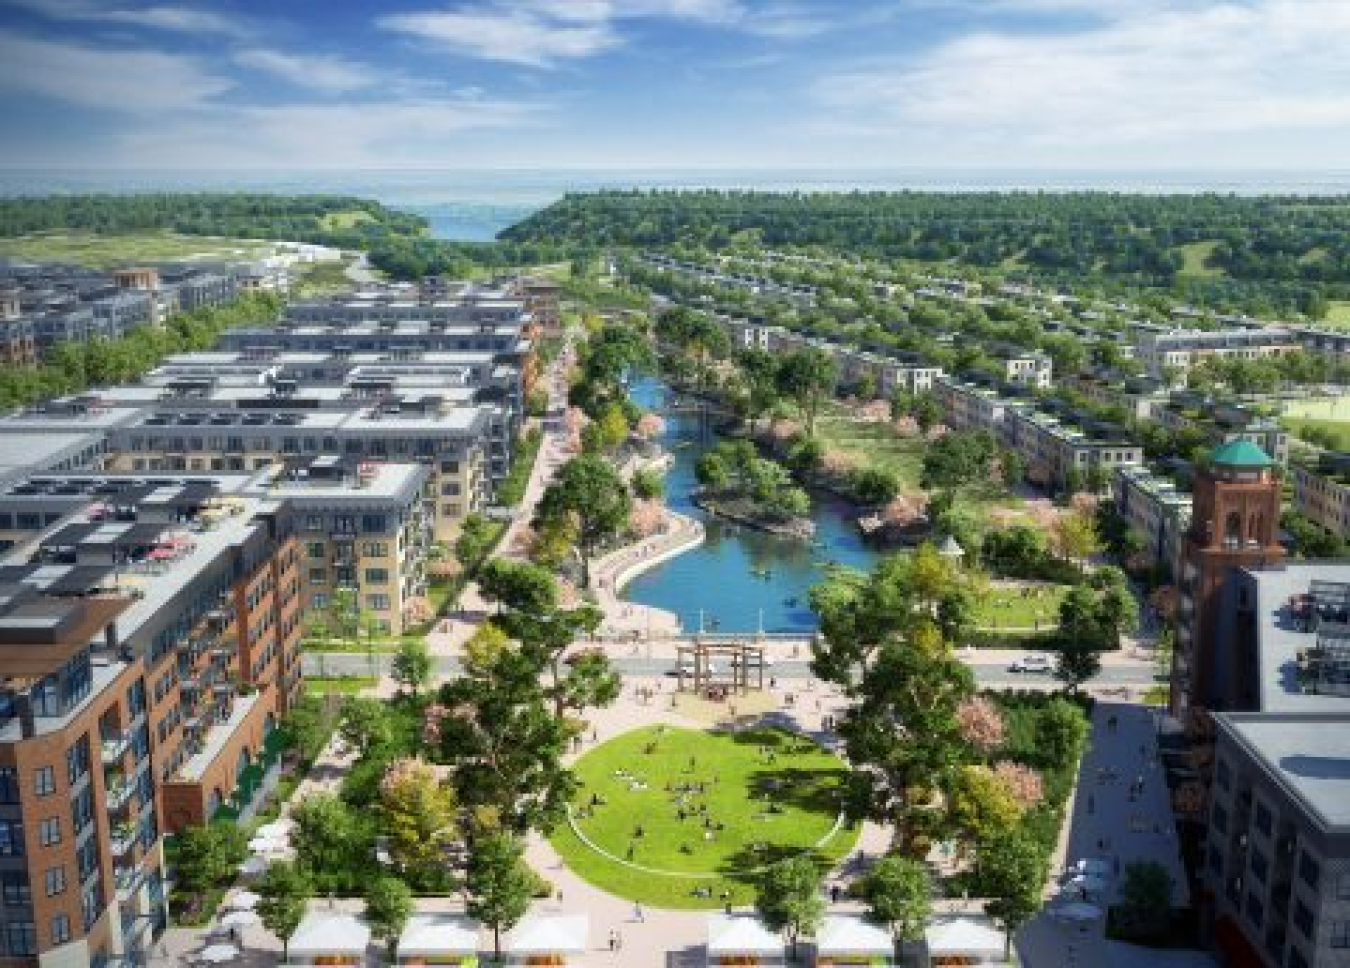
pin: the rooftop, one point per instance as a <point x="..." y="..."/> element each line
<point x="1240" y="453"/>
<point x="1281" y="638"/>
<point x="1306" y="753"/>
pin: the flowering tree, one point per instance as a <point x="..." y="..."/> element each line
<point x="981" y="723"/>
<point x="1022" y="783"/>
<point x="418" y="610"/>
<point x="650" y="426"/>
<point x="646" y="518"/>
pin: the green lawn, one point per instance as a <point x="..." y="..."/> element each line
<point x="876" y="444"/>
<point x="321" y="278"/>
<point x="101" y="251"/>
<point x="344" y="220"/>
<point x="770" y="806"/>
<point x="1339" y="313"/>
<point x="344" y="686"/>
<point x="1007" y="608"/>
<point x="1341" y="428"/>
<point x="1193" y="257"/>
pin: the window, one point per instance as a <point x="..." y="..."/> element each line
<point x="377" y="576"/>
<point x="1340" y="934"/>
<point x="316" y="549"/>
<point x="377" y="603"/>
<point x="44" y="781"/>
<point x="11" y="838"/>
<point x="1260" y="867"/>
<point x="1263" y="821"/>
<point x="1308" y="870"/>
<point x="1303" y="919"/>
<point x="318" y="576"/>
<point x="15" y="888"/>
<point x="60" y="929"/>
<point x="55" y="881"/>
<point x="373" y="523"/>
<point x="9" y="785"/>
<point x="21" y="938"/>
<point x="49" y="831"/>
<point x="375" y="549"/>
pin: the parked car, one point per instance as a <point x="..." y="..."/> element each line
<point x="1031" y="663"/>
<point x="687" y="667"/>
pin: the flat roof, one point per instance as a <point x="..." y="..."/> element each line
<point x="1306" y="753"/>
<point x="21" y="450"/>
<point x="1280" y="641"/>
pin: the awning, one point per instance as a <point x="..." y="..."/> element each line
<point x="845" y="934"/>
<point x="561" y="934"/>
<point x="741" y="934"/>
<point x="429" y="935"/>
<point x="964" y="936"/>
<point x="328" y="933"/>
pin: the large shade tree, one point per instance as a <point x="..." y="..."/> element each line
<point x="588" y="491"/>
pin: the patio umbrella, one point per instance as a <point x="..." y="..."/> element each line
<point x="243" y="901"/>
<point x="276" y="829"/>
<point x="239" y="919"/>
<point x="1079" y="911"/>
<point x="1088" y="882"/>
<point x="218" y="954"/>
<point x="1093" y="865"/>
<point x="265" y="845"/>
<point x="254" y="865"/>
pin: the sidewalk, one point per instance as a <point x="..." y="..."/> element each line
<point x="610" y="573"/>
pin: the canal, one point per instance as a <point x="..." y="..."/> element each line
<point x="740" y="579"/>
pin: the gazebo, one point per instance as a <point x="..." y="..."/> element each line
<point x="439" y="939"/>
<point x="964" y="941"/>
<point x="713" y="669"/>
<point x="851" y="940"/>
<point x="548" y="940"/>
<point x="329" y="938"/>
<point x="742" y="939"/>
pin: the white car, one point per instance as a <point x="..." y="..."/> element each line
<point x="1031" y="663"/>
<point x="686" y="666"/>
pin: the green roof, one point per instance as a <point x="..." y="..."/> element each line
<point x="1240" y="453"/>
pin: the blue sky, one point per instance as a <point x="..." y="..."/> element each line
<point x="1112" y="84"/>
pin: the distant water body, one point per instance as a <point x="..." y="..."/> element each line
<point x="475" y="205"/>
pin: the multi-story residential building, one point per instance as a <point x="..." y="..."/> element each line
<point x="364" y="527"/>
<point x="970" y="406"/>
<point x="150" y="640"/>
<point x="1139" y="396"/>
<point x="1277" y="856"/>
<point x="542" y="298"/>
<point x="1220" y="423"/>
<point x="1029" y="368"/>
<point x="1157" y="509"/>
<point x="1170" y="351"/>
<point x="1322" y="491"/>
<point x="1064" y="448"/>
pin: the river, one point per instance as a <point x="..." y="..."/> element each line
<point x="742" y="580"/>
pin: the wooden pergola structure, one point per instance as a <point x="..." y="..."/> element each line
<point x="705" y="668"/>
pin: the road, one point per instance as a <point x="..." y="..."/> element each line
<point x="987" y="674"/>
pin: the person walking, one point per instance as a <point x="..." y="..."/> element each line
<point x="637" y="913"/>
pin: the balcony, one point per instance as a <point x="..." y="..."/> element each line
<point x="120" y="793"/>
<point x="123" y="839"/>
<point x="115" y="747"/>
<point x="128" y="880"/>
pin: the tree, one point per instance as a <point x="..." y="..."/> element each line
<point x="759" y="371"/>
<point x="790" y="900"/>
<point x="899" y="894"/>
<point x="590" y="492"/>
<point x="328" y="834"/>
<point x="207" y="855"/>
<point x="412" y="665"/>
<point x="649" y="484"/>
<point x="389" y="903"/>
<point x="1146" y="898"/>
<point x="806" y="456"/>
<point x="807" y="377"/>
<point x="284" y="893"/>
<point x="1076" y="535"/>
<point x="958" y="459"/>
<point x="307" y="727"/>
<point x="874" y="485"/>
<point x="1060" y="732"/>
<point x="418" y="814"/>
<point x="1012" y="871"/>
<point x="927" y="412"/>
<point x="1078" y="661"/>
<point x="498" y="885"/>
<point x="1013" y="468"/>
<point x="981" y="806"/>
<point x="475" y="539"/>
<point x="711" y="471"/>
<point x="364" y="724"/>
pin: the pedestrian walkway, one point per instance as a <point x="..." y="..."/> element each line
<point x="1120" y="813"/>
<point x="678" y="533"/>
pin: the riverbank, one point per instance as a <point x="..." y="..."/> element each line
<point x="679" y="533"/>
<point x="800" y="528"/>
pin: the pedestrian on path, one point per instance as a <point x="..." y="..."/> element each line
<point x="637" y="914"/>
<point x="613" y="940"/>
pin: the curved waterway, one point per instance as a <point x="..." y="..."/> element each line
<point x="741" y="579"/>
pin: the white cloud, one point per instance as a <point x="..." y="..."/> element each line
<point x="171" y="18"/>
<point x="1146" y="83"/>
<point x="118" y="79"/>
<point x="330" y="75"/>
<point x="511" y="36"/>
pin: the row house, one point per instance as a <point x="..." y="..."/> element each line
<point x="1322" y="491"/>
<point x="1157" y="510"/>
<point x="1166" y="352"/>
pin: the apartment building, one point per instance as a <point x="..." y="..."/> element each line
<point x="1028" y="368"/>
<point x="1322" y="491"/>
<point x="1139" y="396"/>
<point x="1164" y="351"/>
<point x="366" y="527"/>
<point x="1277" y="859"/>
<point x="1220" y="422"/>
<point x="968" y="405"/>
<point x="1157" y="509"/>
<point x="18" y="346"/>
<point x="543" y="302"/>
<point x="150" y="640"/>
<point x="1061" y="447"/>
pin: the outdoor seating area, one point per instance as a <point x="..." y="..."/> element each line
<point x="964" y="941"/>
<point x="329" y="938"/>
<point x="555" y="940"/>
<point x="439" y="939"/>
<point x="740" y="940"/>
<point x="851" y="941"/>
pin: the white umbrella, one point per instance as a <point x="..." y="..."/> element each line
<point x="239" y="919"/>
<point x="1088" y="882"/>
<point x="277" y="829"/>
<point x="265" y="845"/>
<point x="254" y="865"/>
<point x="1093" y="865"/>
<point x="1079" y="911"/>
<point x="218" y="954"/>
<point x="243" y="901"/>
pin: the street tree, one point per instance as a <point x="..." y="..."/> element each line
<point x="418" y="815"/>
<point x="588" y="490"/>
<point x="807" y="377"/>
<point x="364" y="724"/>
<point x="1146" y="899"/>
<point x="411" y="667"/>
<point x="389" y="904"/>
<point x="790" y="899"/>
<point x="475" y="540"/>
<point x="284" y="893"/>
<point x="1012" y="869"/>
<point x="497" y="884"/>
<point x="899" y="893"/>
<point x="208" y="854"/>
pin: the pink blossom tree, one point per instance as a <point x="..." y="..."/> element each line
<point x="981" y="723"/>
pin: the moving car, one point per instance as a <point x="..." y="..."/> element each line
<point x="1031" y="663"/>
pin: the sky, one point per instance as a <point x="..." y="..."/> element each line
<point x="621" y="84"/>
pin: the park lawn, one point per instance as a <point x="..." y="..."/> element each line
<point x="323" y="277"/>
<point x="345" y="220"/>
<point x="807" y="802"/>
<point x="342" y="686"/>
<point x="1338" y="313"/>
<point x="873" y="444"/>
<point x="1193" y="260"/>
<point x="1006" y="608"/>
<point x="102" y="251"/>
<point x="1341" y="428"/>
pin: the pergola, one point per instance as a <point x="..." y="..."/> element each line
<point x="708" y="667"/>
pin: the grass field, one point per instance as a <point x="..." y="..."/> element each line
<point x="876" y="444"/>
<point x="321" y="278"/>
<point x="772" y="795"/>
<point x="1193" y="257"/>
<point x="1339" y="313"/>
<point x="101" y="251"/>
<point x="1341" y="428"/>
<point x="344" y="220"/>
<point x="1007" y="608"/>
<point x="344" y="686"/>
<point x="1332" y="414"/>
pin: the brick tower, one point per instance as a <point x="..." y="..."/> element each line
<point x="1234" y="524"/>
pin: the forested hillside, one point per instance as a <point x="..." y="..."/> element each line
<point x="1290" y="252"/>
